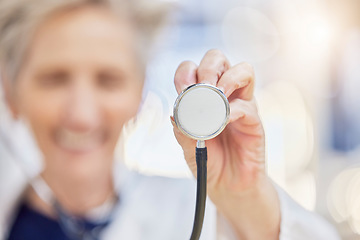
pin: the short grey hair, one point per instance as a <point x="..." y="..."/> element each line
<point x="20" y="18"/>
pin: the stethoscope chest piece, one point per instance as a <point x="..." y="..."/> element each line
<point x="201" y="111"/>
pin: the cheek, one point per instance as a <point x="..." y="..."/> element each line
<point x="40" y="110"/>
<point x="122" y="107"/>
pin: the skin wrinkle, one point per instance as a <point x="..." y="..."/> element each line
<point x="217" y="66"/>
<point x="238" y="165"/>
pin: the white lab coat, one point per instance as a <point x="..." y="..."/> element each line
<point x="153" y="208"/>
<point x="162" y="208"/>
<point x="156" y="208"/>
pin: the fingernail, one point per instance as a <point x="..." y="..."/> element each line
<point x="172" y="120"/>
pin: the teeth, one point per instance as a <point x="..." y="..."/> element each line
<point x="76" y="141"/>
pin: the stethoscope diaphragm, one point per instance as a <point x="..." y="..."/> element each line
<point x="201" y="111"/>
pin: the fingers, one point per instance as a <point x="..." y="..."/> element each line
<point x="238" y="82"/>
<point x="212" y="67"/>
<point x="245" y="111"/>
<point x="244" y="118"/>
<point x="185" y="75"/>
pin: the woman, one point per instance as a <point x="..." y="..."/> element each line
<point x="74" y="71"/>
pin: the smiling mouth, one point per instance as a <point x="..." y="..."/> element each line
<point x="79" y="142"/>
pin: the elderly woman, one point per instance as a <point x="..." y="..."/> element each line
<point x="74" y="71"/>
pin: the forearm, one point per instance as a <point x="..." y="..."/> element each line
<point x="253" y="214"/>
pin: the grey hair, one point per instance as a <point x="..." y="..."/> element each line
<point x="20" y="18"/>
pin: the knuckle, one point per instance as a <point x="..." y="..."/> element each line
<point x="216" y="53"/>
<point x="249" y="70"/>
<point x="248" y="66"/>
<point x="185" y="64"/>
<point x="206" y="71"/>
<point x="183" y="67"/>
<point x="237" y="83"/>
<point x="233" y="78"/>
<point x="185" y="74"/>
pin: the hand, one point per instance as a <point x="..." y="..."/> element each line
<point x="236" y="158"/>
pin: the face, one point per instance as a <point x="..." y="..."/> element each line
<point x="79" y="85"/>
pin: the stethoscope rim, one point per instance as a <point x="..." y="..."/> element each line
<point x="177" y="103"/>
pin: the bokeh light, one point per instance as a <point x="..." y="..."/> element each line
<point x="344" y="199"/>
<point x="249" y="35"/>
<point x="290" y="140"/>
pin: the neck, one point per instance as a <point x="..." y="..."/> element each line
<point x="77" y="195"/>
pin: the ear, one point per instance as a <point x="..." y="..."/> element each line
<point x="8" y="90"/>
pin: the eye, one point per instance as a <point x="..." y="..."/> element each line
<point x="110" y="80"/>
<point x="54" y="79"/>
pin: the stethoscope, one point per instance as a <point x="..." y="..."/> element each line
<point x="201" y="112"/>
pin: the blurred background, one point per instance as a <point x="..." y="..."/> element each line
<point x="306" y="56"/>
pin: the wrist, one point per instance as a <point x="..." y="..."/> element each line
<point x="253" y="213"/>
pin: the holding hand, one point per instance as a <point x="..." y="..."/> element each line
<point x="237" y="181"/>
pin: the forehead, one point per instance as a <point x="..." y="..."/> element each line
<point x="87" y="33"/>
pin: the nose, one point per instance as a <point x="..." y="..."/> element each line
<point x="82" y="113"/>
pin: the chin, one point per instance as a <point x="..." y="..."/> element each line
<point x="81" y="165"/>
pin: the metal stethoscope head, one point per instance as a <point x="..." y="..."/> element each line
<point x="201" y="111"/>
